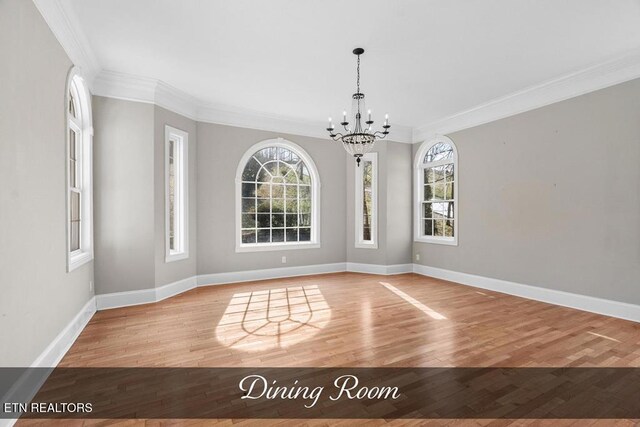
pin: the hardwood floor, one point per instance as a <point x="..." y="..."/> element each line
<point x="350" y="319"/>
<point x="353" y="320"/>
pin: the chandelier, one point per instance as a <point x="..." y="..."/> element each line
<point x="357" y="139"/>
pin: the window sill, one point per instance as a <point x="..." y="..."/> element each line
<point x="176" y="257"/>
<point x="366" y="246"/>
<point x="262" y="247"/>
<point x="77" y="260"/>
<point x="437" y="240"/>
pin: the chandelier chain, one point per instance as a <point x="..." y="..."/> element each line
<point x="358" y="73"/>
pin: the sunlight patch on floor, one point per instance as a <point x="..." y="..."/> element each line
<point x="414" y="302"/>
<point x="273" y="318"/>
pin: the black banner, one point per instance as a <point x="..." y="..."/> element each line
<point x="388" y="393"/>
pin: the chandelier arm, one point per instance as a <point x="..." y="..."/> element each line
<point x="380" y="135"/>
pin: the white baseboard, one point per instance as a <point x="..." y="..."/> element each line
<point x="379" y="269"/>
<point x="144" y="296"/>
<point x="269" y="273"/>
<point x="147" y="296"/>
<point x="611" y="308"/>
<point x="27" y="386"/>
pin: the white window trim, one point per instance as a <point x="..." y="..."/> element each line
<point x="182" y="205"/>
<point x="359" y="242"/>
<point x="84" y="128"/>
<point x="418" y="185"/>
<point x="315" y="200"/>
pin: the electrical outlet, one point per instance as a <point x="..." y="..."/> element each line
<point x="90" y="285"/>
<point x="417" y="257"/>
<point x="284" y="259"/>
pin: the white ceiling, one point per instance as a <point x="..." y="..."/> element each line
<point x="424" y="60"/>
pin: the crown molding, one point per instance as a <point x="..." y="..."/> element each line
<point x="62" y="20"/>
<point x="618" y="70"/>
<point x="64" y="24"/>
<point x="129" y="87"/>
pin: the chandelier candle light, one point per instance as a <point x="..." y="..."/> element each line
<point x="358" y="140"/>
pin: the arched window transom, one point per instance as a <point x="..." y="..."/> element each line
<point x="278" y="197"/>
<point x="436" y="192"/>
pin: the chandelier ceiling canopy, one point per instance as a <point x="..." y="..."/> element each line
<point x="358" y="139"/>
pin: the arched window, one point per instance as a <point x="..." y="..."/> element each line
<point x="436" y="192"/>
<point x="278" y="198"/>
<point x="79" y="173"/>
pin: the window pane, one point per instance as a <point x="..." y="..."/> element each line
<point x="75" y="236"/>
<point x="72" y="105"/>
<point x="263" y="191"/>
<point x="448" y="228"/>
<point x="292" y="234"/>
<point x="304" y="176"/>
<point x="438" y="227"/>
<point x="250" y="170"/>
<point x="248" y="236"/>
<point x="292" y="191"/>
<point x="264" y="220"/>
<point x="305" y="205"/>
<point x="277" y="205"/>
<point x="248" y="190"/>
<point x="449" y="192"/>
<point x="438" y="191"/>
<point x="429" y="176"/>
<point x="277" y="220"/>
<point x="305" y="220"/>
<point x="277" y="235"/>
<point x="248" y="205"/>
<point x="427" y="210"/>
<point x="248" y="221"/>
<point x="305" y="234"/>
<point x="73" y="179"/>
<point x="264" y="236"/>
<point x="264" y="205"/>
<point x="292" y="206"/>
<point x="277" y="191"/>
<point x="292" y="220"/>
<point x="428" y="227"/>
<point x="75" y="205"/>
<point x="366" y="233"/>
<point x="305" y="192"/>
<point x="428" y="192"/>
<point x="448" y="172"/>
<point x="438" y="173"/>
<point x="439" y="151"/>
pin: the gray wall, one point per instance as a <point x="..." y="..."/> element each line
<point x="394" y="207"/>
<point x="399" y="202"/>
<point x="34" y="283"/>
<point x="219" y="151"/>
<point x="129" y="200"/>
<point x="550" y="197"/>
<point x="169" y="272"/>
<point x="124" y="195"/>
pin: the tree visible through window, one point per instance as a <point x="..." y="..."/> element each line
<point x="276" y="204"/>
<point x="365" y="202"/>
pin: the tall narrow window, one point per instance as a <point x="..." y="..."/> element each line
<point x="176" y="194"/>
<point x="79" y="174"/>
<point x="436" y="184"/>
<point x="278" y="198"/>
<point x="366" y="213"/>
